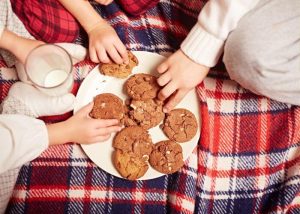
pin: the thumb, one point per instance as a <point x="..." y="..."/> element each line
<point x="61" y="104"/>
<point x="85" y="110"/>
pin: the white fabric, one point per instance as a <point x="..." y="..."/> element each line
<point x="22" y="139"/>
<point x="7" y="180"/>
<point x="9" y="21"/>
<point x="37" y="103"/>
<point x="204" y="44"/>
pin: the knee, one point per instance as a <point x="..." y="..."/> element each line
<point x="245" y="58"/>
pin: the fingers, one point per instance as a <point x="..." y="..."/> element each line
<point x="162" y="67"/>
<point x="114" y="54"/>
<point x="107" y="130"/>
<point x="164" y="79"/>
<point x="174" y="100"/>
<point x="102" y="55"/>
<point x="93" y="55"/>
<point x="122" y="51"/>
<point x="106" y="123"/>
<point x="169" y="89"/>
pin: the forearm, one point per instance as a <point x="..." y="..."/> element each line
<point x="8" y="41"/>
<point x="17" y="45"/>
<point x="84" y="12"/>
<point x="58" y="133"/>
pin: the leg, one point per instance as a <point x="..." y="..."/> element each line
<point x="47" y="20"/>
<point x="263" y="53"/>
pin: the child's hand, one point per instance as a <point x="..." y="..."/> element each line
<point x="179" y="75"/>
<point x="82" y="129"/>
<point x="88" y="130"/>
<point x="104" y="44"/>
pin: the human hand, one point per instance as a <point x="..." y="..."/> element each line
<point x="83" y="129"/>
<point x="25" y="99"/>
<point x="179" y="75"/>
<point x="104" y="44"/>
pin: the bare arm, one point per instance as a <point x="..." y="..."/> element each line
<point x="84" y="13"/>
<point x="17" y="45"/>
<point x="104" y="43"/>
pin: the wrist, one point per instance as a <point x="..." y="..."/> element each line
<point x="99" y="23"/>
<point x="57" y="133"/>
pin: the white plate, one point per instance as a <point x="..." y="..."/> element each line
<point x="96" y="83"/>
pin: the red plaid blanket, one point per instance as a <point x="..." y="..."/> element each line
<point x="247" y="159"/>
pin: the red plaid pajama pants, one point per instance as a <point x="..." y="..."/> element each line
<point x="47" y="20"/>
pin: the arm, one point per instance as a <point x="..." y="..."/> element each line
<point x="22" y="139"/>
<point x="216" y="20"/>
<point x="103" y="40"/>
<point x="200" y="50"/>
<point x="18" y="46"/>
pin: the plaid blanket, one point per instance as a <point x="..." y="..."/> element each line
<point x="247" y="159"/>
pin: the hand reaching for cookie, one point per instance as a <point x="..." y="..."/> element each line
<point x="104" y="44"/>
<point x="82" y="129"/>
<point x="179" y="75"/>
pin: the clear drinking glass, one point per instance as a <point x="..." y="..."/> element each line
<point x="49" y="67"/>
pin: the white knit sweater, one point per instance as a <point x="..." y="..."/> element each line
<point x="204" y="44"/>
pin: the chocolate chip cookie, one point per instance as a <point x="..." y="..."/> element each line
<point x="142" y="86"/>
<point x="134" y="139"/>
<point x="107" y="106"/>
<point x="119" y="70"/>
<point x="166" y="157"/>
<point x="129" y="165"/>
<point x="180" y="125"/>
<point x="146" y="114"/>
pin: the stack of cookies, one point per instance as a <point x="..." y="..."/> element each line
<point x="134" y="149"/>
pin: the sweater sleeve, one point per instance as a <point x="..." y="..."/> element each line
<point x="204" y="44"/>
<point x="22" y="139"/>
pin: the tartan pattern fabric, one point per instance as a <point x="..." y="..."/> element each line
<point x="247" y="159"/>
<point x="46" y="20"/>
<point x="137" y="7"/>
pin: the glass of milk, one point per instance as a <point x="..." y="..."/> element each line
<point x="49" y="68"/>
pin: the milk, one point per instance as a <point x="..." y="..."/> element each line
<point x="57" y="82"/>
<point x="55" y="78"/>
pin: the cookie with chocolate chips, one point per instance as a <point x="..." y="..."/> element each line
<point x="142" y="86"/>
<point x="130" y="165"/>
<point x="166" y="157"/>
<point x="134" y="139"/>
<point x="146" y="114"/>
<point x="107" y="106"/>
<point x="180" y="125"/>
<point x="119" y="70"/>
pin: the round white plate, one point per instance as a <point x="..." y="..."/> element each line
<point x="96" y="83"/>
